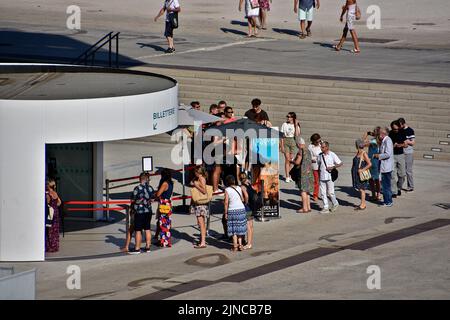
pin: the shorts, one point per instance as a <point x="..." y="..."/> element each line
<point x="306" y="15"/>
<point x="168" y="32"/>
<point x="200" y="210"/>
<point x="142" y="221"/>
<point x="289" y="145"/>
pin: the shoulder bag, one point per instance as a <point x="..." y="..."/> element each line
<point x="199" y="198"/>
<point x="254" y="4"/>
<point x="334" y="173"/>
<point x="365" y="174"/>
<point x="173" y="17"/>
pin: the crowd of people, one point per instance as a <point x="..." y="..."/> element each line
<point x="256" y="10"/>
<point x="382" y="163"/>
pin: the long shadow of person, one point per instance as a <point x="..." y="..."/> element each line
<point x="153" y="46"/>
<point x="239" y="23"/>
<point x="237" y="32"/>
<point x="289" y="32"/>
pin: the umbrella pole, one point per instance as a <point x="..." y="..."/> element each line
<point x="184" y="174"/>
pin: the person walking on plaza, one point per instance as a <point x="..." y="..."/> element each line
<point x="305" y="10"/>
<point x="306" y="181"/>
<point x="264" y="7"/>
<point x="327" y="162"/>
<point x="256" y="113"/>
<point x="288" y="145"/>
<point x="361" y="163"/>
<point x="251" y="13"/>
<point x="373" y="145"/>
<point x="409" y="152"/>
<point x="53" y="202"/>
<point x="398" y="175"/>
<point x="234" y="208"/>
<point x="141" y="201"/>
<point x="164" y="194"/>
<point x="315" y="150"/>
<point x="386" y="156"/>
<point x="172" y="8"/>
<point x="201" y="211"/>
<point x="353" y="13"/>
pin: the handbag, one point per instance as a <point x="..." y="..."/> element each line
<point x="254" y="4"/>
<point x="334" y="173"/>
<point x="200" y="197"/>
<point x="50" y="215"/>
<point x="365" y="174"/>
<point x="357" y="12"/>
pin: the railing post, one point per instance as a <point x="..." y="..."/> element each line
<point x="109" y="52"/>
<point x="107" y="200"/>
<point x="117" y="50"/>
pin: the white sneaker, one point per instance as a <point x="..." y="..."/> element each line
<point x="288" y="179"/>
<point x="333" y="208"/>
<point x="325" y="210"/>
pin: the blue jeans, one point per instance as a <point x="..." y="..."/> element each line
<point x="386" y="187"/>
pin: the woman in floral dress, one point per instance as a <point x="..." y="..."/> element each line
<point x="264" y="6"/>
<point x="306" y="182"/>
<point x="52" y="229"/>
<point x="164" y="213"/>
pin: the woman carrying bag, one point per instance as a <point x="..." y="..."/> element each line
<point x="201" y="197"/>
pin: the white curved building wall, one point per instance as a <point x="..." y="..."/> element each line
<point x="26" y="126"/>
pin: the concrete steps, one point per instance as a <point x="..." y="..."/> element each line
<point x="340" y="110"/>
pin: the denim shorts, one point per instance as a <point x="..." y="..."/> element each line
<point x="168" y="32"/>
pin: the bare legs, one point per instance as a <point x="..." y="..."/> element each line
<point x="237" y="243"/>
<point x="344" y="37"/>
<point x="201" y="223"/>
<point x="287" y="163"/>
<point x="170" y="42"/>
<point x="252" y="32"/>
<point x="375" y="188"/>
<point x="306" y="203"/>
<point x="263" y="18"/>
<point x="363" y="198"/>
<point x="216" y="177"/>
<point x="249" y="244"/>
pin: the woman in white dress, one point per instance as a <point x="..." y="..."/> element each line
<point x="351" y="8"/>
<point x="251" y="13"/>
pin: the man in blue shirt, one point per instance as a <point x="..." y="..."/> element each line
<point x="305" y="9"/>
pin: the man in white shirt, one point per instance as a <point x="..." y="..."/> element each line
<point x="170" y="7"/>
<point x="386" y="156"/>
<point x="327" y="161"/>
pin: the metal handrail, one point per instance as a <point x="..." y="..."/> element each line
<point x="92" y="50"/>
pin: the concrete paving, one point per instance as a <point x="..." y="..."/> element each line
<point x="111" y="275"/>
<point x="405" y="48"/>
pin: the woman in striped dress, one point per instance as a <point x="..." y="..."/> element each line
<point x="235" y="213"/>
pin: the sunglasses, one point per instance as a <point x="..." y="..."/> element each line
<point x="230" y="111"/>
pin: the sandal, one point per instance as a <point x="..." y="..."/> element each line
<point x="199" y="246"/>
<point x="355" y="51"/>
<point x="234" y="249"/>
<point x="302" y="36"/>
<point x="336" y="48"/>
<point x="359" y="208"/>
<point x="240" y="247"/>
<point x="248" y="247"/>
<point x="308" y="33"/>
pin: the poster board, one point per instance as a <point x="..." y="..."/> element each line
<point x="266" y="170"/>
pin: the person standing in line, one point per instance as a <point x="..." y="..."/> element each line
<point x="234" y="208"/>
<point x="221" y="105"/>
<point x="386" y="156"/>
<point x="305" y="10"/>
<point x="398" y="175"/>
<point x="409" y="153"/>
<point x="164" y="194"/>
<point x="256" y="113"/>
<point x="374" y="148"/>
<point x="214" y="109"/>
<point x="264" y="7"/>
<point x="315" y="150"/>
<point x="201" y="211"/>
<point x="351" y="8"/>
<point x="196" y="105"/>
<point x="170" y="7"/>
<point x="141" y="201"/>
<point x="306" y="182"/>
<point x="54" y="202"/>
<point x="251" y="13"/>
<point x="361" y="162"/>
<point x="246" y="184"/>
<point x="328" y="161"/>
<point x="288" y="145"/>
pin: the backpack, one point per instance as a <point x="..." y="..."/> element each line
<point x="254" y="198"/>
